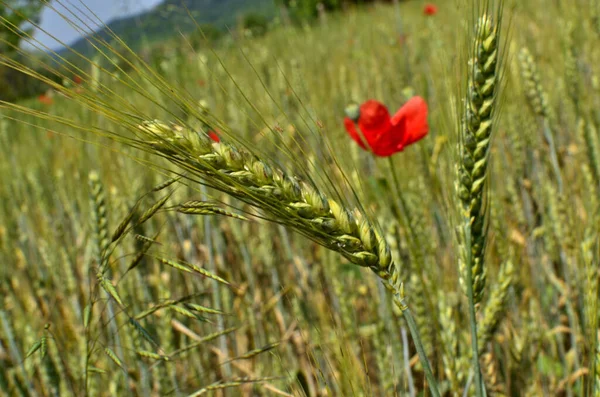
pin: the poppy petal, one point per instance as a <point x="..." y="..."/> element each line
<point x="213" y="135"/>
<point x="374" y="120"/>
<point x="412" y="119"/>
<point x="354" y="134"/>
<point x="430" y="9"/>
<point x="390" y="142"/>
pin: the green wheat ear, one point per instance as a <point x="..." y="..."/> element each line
<point x="291" y="201"/>
<point x="99" y="216"/>
<point x="474" y="149"/>
<point x="288" y="200"/>
<point x="496" y="306"/>
<point x="536" y="97"/>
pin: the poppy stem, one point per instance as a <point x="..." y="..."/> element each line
<point x="416" y="337"/>
<point x="402" y="214"/>
<point x="402" y="209"/>
<point x="396" y="181"/>
<point x="406" y="313"/>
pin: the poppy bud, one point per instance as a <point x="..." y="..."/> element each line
<point x="353" y="112"/>
<point x="408" y="92"/>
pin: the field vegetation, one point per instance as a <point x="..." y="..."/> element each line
<point x="198" y="221"/>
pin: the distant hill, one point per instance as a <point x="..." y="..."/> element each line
<point x="173" y="16"/>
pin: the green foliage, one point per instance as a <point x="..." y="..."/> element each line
<point x="205" y="34"/>
<point x="198" y="298"/>
<point x="255" y="24"/>
<point x="18" y="14"/>
<point x="309" y="9"/>
<point x="305" y="10"/>
<point x="15" y="85"/>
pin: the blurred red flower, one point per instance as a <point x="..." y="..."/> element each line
<point x="383" y="135"/>
<point x="213" y="135"/>
<point x="430" y="9"/>
<point x="45" y="99"/>
<point x="77" y="79"/>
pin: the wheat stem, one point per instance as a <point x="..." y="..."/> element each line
<point x="473" y="323"/>
<point x="414" y="332"/>
<point x="471" y="183"/>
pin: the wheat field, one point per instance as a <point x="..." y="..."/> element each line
<point x="199" y="222"/>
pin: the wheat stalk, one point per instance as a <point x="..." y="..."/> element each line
<point x="476" y="134"/>
<point x="538" y="102"/>
<point x="495" y="307"/>
<point x="286" y="198"/>
<point x="536" y="96"/>
<point x="289" y="200"/>
<point x="472" y="171"/>
<point x="99" y="217"/>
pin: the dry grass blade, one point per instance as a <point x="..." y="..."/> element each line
<point x="34" y="348"/>
<point x="110" y="289"/>
<point x="253" y="353"/>
<point x="111" y="354"/>
<point x="150" y="212"/>
<point x="166" y="184"/>
<point x="152" y="355"/>
<point x="155" y="308"/>
<point x="202" y="309"/>
<point x="230" y="384"/>
<point x="204" y="208"/>
<point x="122" y="227"/>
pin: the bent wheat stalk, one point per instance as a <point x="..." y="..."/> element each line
<point x="287" y="200"/>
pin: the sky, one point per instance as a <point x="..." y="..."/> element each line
<point x="103" y="9"/>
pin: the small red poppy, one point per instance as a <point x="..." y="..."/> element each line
<point x="45" y="99"/>
<point x="383" y="135"/>
<point x="213" y="135"/>
<point x="430" y="9"/>
<point x="77" y="79"/>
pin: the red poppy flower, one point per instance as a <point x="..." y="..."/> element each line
<point x="383" y="135"/>
<point x="213" y="135"/>
<point x="430" y="9"/>
<point x="45" y="99"/>
<point x="77" y="79"/>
